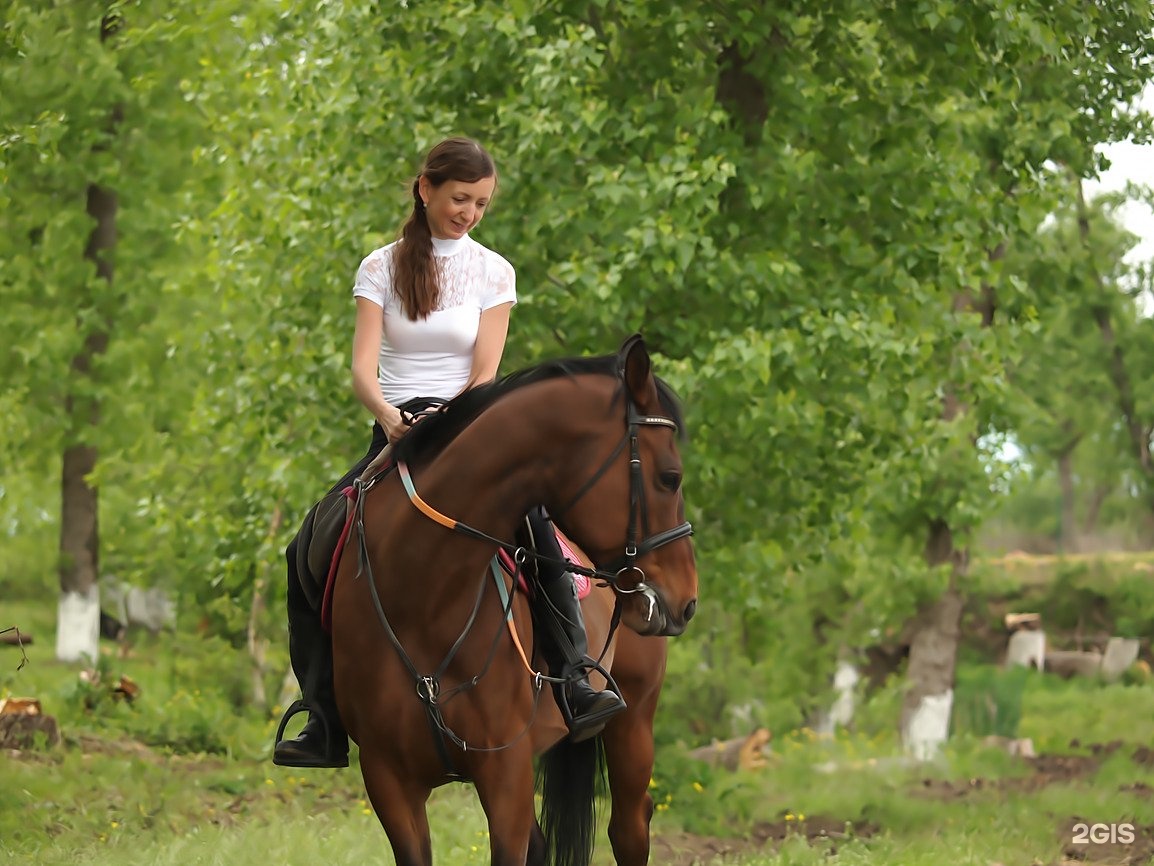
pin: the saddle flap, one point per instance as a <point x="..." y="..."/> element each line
<point x="329" y="517"/>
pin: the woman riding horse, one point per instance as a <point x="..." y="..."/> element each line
<point x="432" y="318"/>
<point x="435" y="676"/>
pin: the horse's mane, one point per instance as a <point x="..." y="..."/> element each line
<point x="435" y="431"/>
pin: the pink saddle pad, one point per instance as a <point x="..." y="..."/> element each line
<point x="580" y="580"/>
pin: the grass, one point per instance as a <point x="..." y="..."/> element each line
<point x="182" y="777"/>
<point x="182" y="814"/>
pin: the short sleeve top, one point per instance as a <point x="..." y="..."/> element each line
<point x="433" y="357"/>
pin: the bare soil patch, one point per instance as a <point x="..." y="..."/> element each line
<point x="1047" y="770"/>
<point x="688" y="849"/>
<point x="1105" y="845"/>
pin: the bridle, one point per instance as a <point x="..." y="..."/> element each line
<point x="638" y="510"/>
<point x="612" y="573"/>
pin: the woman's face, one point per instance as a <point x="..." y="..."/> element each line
<point x="454" y="207"/>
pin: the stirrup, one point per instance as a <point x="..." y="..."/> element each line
<point x="590" y="724"/>
<point x="295" y="708"/>
<point x="331" y="754"/>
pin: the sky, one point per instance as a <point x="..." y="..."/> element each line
<point x="1132" y="162"/>
<point x="1129" y="163"/>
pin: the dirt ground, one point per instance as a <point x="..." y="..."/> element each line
<point x="1100" y="847"/>
<point x="687" y="849"/>
<point x="1107" y="848"/>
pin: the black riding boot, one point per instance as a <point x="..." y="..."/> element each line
<point x="322" y="742"/>
<point x="565" y="646"/>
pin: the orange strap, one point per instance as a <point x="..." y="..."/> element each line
<point x="422" y="506"/>
<point x="503" y="592"/>
<point x="450" y="523"/>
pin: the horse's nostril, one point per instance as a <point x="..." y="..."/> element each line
<point x="690" y="610"/>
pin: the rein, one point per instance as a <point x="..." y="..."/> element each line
<point x="428" y="686"/>
<point x="638" y="513"/>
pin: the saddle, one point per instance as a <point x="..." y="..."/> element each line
<point x="323" y="527"/>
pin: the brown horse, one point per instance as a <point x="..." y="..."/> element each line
<point x="434" y="670"/>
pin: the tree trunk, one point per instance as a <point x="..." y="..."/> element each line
<point x="78" y="614"/>
<point x="257" y="645"/>
<point x="1138" y="428"/>
<point x="929" y="699"/>
<point x="1068" y="530"/>
<point x="1094" y="508"/>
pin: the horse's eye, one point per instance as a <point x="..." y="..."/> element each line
<point x="670" y="480"/>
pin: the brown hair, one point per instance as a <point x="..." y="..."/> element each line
<point x="414" y="268"/>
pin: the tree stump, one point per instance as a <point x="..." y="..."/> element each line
<point x="745" y="753"/>
<point x="1071" y="663"/>
<point x="1120" y="654"/>
<point x="1028" y="649"/>
<point x="22" y="724"/>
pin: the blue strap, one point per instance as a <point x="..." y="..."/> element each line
<point x="499" y="579"/>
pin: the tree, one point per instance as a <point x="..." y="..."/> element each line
<point x="802" y="209"/>
<point x="90" y="197"/>
<point x="1066" y="416"/>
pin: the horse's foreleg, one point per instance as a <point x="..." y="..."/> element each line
<point x="505" y="789"/>
<point x="401" y="811"/>
<point x="629" y="758"/>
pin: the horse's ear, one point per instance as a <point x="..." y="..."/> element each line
<point x="636" y="368"/>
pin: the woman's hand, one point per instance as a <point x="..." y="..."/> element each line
<point x="393" y="423"/>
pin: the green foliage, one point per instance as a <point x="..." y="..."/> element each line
<point x="1055" y="713"/>
<point x="1074" y="595"/>
<point x="794" y="205"/>
<point x="1074" y="415"/>
<point x="988" y="700"/>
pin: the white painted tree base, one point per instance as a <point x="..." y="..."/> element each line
<point x="845" y="680"/>
<point x="1028" y="649"/>
<point x="929" y="726"/>
<point x="840" y="714"/>
<point x="78" y="626"/>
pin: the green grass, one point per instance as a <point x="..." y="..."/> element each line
<point x="241" y="815"/>
<point x="182" y="777"/>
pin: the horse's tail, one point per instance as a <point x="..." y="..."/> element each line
<point x="570" y="775"/>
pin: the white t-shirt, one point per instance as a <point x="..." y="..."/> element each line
<point x="432" y="357"/>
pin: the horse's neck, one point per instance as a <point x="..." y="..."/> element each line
<point x="512" y="456"/>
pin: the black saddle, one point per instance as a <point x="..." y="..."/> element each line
<point x="322" y="528"/>
<point x="317" y="542"/>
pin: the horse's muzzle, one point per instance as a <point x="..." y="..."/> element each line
<point x="650" y="615"/>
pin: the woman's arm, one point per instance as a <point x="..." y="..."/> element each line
<point x="366" y="355"/>
<point x="490" y="346"/>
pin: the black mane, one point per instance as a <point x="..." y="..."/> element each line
<point x="435" y="431"/>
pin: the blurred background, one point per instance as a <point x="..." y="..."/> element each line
<point x="894" y="257"/>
